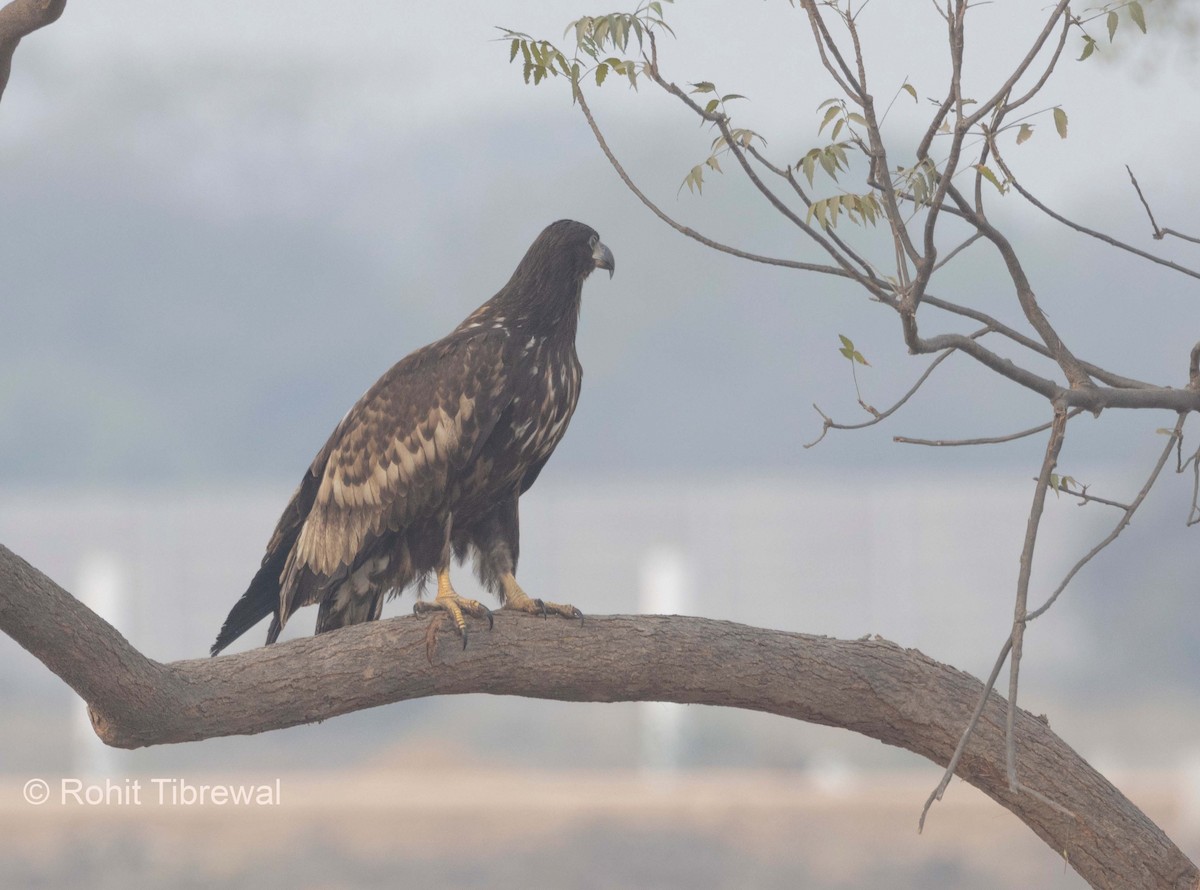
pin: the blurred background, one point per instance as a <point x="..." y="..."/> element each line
<point x="223" y="221"/>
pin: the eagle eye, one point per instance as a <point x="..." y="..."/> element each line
<point x="592" y="241"/>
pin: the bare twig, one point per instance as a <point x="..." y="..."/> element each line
<point x="1057" y="433"/>
<point x="1153" y="224"/>
<point x="1079" y="227"/>
<point x="1176" y="436"/>
<point x="1001" y="95"/>
<point x="877" y="416"/>
<point x="1085" y="498"/>
<point x="985" y="440"/>
<point x="956" y="757"/>
<point x="1159" y="233"/>
<point x="956" y="251"/>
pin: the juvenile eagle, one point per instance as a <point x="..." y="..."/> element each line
<point x="432" y="460"/>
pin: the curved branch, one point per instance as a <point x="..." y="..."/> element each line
<point x="989" y="440"/>
<point x="18" y="19"/>
<point x="679" y="227"/>
<point x="874" y="687"/>
<point x="1114" y="380"/>
<point x="878" y="416"/>
<point x="1079" y="227"/>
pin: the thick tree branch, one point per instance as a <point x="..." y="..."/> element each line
<point x="19" y="19"/>
<point x="874" y="687"/>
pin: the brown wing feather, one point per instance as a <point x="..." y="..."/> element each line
<point x="397" y="455"/>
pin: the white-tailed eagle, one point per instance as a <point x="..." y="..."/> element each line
<point x="432" y="460"/>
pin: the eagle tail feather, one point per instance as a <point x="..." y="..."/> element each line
<point x="260" y="600"/>
<point x="335" y="611"/>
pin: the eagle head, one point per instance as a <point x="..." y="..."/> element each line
<point x="575" y="244"/>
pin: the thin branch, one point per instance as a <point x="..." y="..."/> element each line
<point x="986" y="440"/>
<point x="787" y="175"/>
<point x="1159" y="233"/>
<point x="877" y="416"/>
<point x="1053" y="446"/>
<point x="1001" y="94"/>
<point x="1085" y="498"/>
<point x="19" y="19"/>
<point x="684" y="230"/>
<point x="1153" y="224"/>
<point x="972" y="724"/>
<point x="877" y="288"/>
<point x="1046" y="72"/>
<point x="1078" y="227"/>
<point x="1176" y="437"/>
<point x="1106" y="377"/>
<point x="826" y="47"/>
<point x="1062" y="355"/>
<point x="956" y="251"/>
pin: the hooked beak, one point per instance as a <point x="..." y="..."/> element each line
<point x="603" y="258"/>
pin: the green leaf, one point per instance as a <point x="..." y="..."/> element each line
<point x="601" y="73"/>
<point x="986" y="172"/>
<point x="514" y="49"/>
<point x="1060" y="122"/>
<point x="830" y="114"/>
<point x="694" y="180"/>
<point x="857" y="119"/>
<point x="1024" y="133"/>
<point x="808" y="164"/>
<point x="711" y="106"/>
<point x="911" y="90"/>
<point x="1137" y="14"/>
<point x="703" y="87"/>
<point x="1113" y="20"/>
<point x="848" y="349"/>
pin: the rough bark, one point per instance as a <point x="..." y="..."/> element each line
<point x="874" y="687"/>
<point x="19" y="19"/>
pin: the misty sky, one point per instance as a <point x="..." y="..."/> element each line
<point x="223" y="221"/>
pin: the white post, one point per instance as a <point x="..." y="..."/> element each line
<point x="102" y="587"/>
<point x="664" y="590"/>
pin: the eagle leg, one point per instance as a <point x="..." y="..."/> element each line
<point x="518" y="600"/>
<point x="456" y="606"/>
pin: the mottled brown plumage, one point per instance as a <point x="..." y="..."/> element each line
<point x="433" y="458"/>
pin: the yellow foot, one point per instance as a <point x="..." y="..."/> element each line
<point x="455" y="606"/>
<point x="517" y="600"/>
